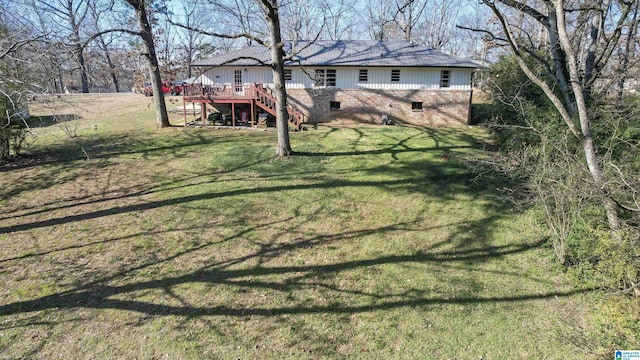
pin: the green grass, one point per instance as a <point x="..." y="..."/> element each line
<point x="371" y="242"/>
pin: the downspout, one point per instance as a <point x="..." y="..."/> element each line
<point x="470" y="107"/>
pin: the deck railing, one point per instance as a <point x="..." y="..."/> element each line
<point x="219" y="90"/>
<point x="263" y="96"/>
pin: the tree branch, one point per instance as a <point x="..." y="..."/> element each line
<point x="610" y="46"/>
<point x="491" y="34"/>
<point x="543" y="19"/>
<point x="219" y="35"/>
<point x="100" y="33"/>
<point x="564" y="113"/>
<point x="19" y="44"/>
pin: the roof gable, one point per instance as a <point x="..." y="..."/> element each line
<point x="396" y="53"/>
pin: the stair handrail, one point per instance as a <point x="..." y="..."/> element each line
<point x="295" y="114"/>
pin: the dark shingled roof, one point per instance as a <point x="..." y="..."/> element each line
<point x="396" y="53"/>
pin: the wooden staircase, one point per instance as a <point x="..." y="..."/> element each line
<point x="266" y="99"/>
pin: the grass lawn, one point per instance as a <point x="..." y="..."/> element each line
<point x="372" y="242"/>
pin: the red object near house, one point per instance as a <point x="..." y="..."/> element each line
<point x="168" y="87"/>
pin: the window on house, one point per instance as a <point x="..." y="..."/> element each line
<point x="444" y="79"/>
<point x="287" y="75"/>
<point x="416" y="105"/>
<point x="331" y="78"/>
<point x="237" y="78"/>
<point x="325" y="77"/>
<point x="334" y="105"/>
<point x="364" y="75"/>
<point x="320" y="76"/>
<point x="395" y="75"/>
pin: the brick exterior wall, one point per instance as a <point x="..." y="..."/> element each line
<point x="439" y="108"/>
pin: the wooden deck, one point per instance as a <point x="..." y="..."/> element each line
<point x="196" y="93"/>
<point x="253" y="94"/>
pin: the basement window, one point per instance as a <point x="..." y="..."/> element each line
<point x="334" y="105"/>
<point x="444" y="79"/>
<point x="416" y="106"/>
<point x="395" y="75"/>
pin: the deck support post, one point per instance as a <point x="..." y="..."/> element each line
<point x="184" y="110"/>
<point x="233" y="114"/>
<point x="203" y="112"/>
<point x="253" y="115"/>
<point x="256" y="96"/>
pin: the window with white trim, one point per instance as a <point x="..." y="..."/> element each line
<point x="325" y="77"/>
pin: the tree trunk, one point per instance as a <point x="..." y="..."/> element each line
<point x="152" y="60"/>
<point x="409" y="24"/>
<point x="78" y="48"/>
<point x="84" y="79"/>
<point x="600" y="180"/>
<point x="559" y="58"/>
<point x="629" y="46"/>
<point x="60" y="82"/>
<point x="112" y="67"/>
<point x="277" y="66"/>
<point x="574" y="107"/>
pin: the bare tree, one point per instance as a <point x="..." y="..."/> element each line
<point x="99" y="10"/>
<point x="408" y="14"/>
<point x="380" y="16"/>
<point x="268" y="36"/>
<point x="238" y="17"/>
<point x="71" y="16"/>
<point x="575" y="147"/>
<point x="301" y="20"/>
<point x="193" y="42"/>
<point x="629" y="49"/>
<point x="29" y="18"/>
<point x="429" y="22"/>
<point x="434" y="26"/>
<point x="572" y="79"/>
<point x="475" y="45"/>
<point x="340" y="18"/>
<point x="146" y="34"/>
<point x="17" y="39"/>
<point x="277" y="66"/>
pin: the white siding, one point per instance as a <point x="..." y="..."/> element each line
<point x="225" y="75"/>
<point x="348" y="77"/>
<point x="461" y="79"/>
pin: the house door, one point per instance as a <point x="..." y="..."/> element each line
<point x="238" y="88"/>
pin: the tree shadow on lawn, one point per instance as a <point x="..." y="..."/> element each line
<point x="443" y="179"/>
<point x="99" y="295"/>
<point x="67" y="161"/>
<point x="51" y="120"/>
<point x="105" y="146"/>
<point x="435" y="181"/>
<point x="436" y="177"/>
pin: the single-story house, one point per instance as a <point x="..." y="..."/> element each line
<point x="361" y="80"/>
